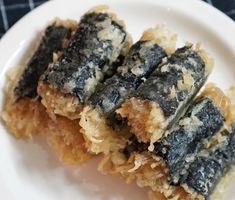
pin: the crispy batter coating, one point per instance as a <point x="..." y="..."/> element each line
<point x="168" y="91"/>
<point x="25" y="118"/>
<point x="58" y="103"/>
<point x="98" y="126"/>
<point x="93" y="54"/>
<point x="134" y="163"/>
<point x="68" y="143"/>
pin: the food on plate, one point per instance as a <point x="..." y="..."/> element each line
<point x="202" y="121"/>
<point x="23" y="113"/>
<point x="99" y="126"/>
<point x="98" y="46"/>
<point x="163" y="98"/>
<point x="89" y="91"/>
<point x="167" y="169"/>
<point x="211" y="164"/>
<point x="92" y="55"/>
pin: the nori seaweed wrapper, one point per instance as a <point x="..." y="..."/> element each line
<point x="182" y="75"/>
<point x="51" y="42"/>
<point x="89" y="57"/>
<point x="180" y="147"/>
<point x="211" y="165"/>
<point x="142" y="59"/>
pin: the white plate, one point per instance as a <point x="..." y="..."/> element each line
<point x="29" y="170"/>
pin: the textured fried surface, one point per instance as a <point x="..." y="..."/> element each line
<point x="58" y="103"/>
<point x="25" y="118"/>
<point x="211" y="165"/>
<point x="180" y="147"/>
<point x="142" y="59"/>
<point x="100" y="137"/>
<point x="23" y="114"/>
<point x="100" y="125"/>
<point x="147" y="171"/>
<point x="184" y="71"/>
<point x="171" y="87"/>
<point x="96" y="44"/>
<point x="179" y="194"/>
<point x="144" y="117"/>
<point x="52" y="42"/>
<point x="64" y="137"/>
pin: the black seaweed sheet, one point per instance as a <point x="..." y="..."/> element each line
<point x="52" y="41"/>
<point x="142" y="59"/>
<point x="159" y="85"/>
<point x="211" y="165"/>
<point x="180" y="147"/>
<point x="88" y="58"/>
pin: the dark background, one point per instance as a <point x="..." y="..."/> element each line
<point x="13" y="10"/>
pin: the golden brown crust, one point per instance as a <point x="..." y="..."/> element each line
<point x="104" y="9"/>
<point x="64" y="137"/>
<point x="140" y="167"/>
<point x="162" y="36"/>
<point x="100" y="138"/>
<point x="58" y="103"/>
<point x="161" y="188"/>
<point x="63" y="133"/>
<point x="69" y="24"/>
<point x="147" y="171"/>
<point x="152" y="195"/>
<point x="180" y="194"/>
<point x="25" y="118"/>
<point x="145" y="118"/>
<point x="231" y="95"/>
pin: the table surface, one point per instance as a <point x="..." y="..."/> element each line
<point x="13" y="10"/>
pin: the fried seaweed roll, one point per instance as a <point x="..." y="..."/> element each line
<point x="90" y="57"/>
<point x="23" y="113"/>
<point x="206" y="116"/>
<point x="211" y="165"/>
<point x="144" y="56"/>
<point x="164" y="96"/>
<point x="201" y="122"/>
